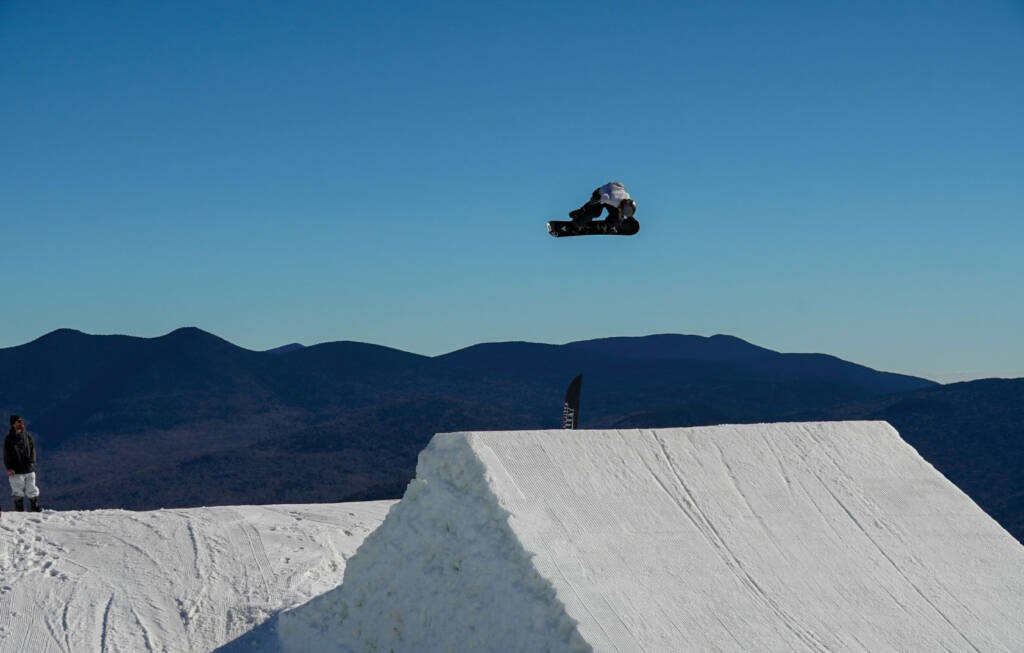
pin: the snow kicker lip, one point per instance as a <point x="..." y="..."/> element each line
<point x="804" y="536"/>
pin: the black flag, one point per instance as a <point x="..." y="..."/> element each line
<point x="571" y="408"/>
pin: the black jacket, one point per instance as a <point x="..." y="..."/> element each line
<point x="19" y="452"/>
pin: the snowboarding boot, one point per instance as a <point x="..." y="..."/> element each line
<point x="19" y="504"/>
<point x="34" y="504"/>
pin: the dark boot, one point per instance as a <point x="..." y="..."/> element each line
<point x="34" y="504"/>
<point x="614" y="217"/>
<point x="19" y="504"/>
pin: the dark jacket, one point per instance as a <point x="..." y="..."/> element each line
<point x="19" y="452"/>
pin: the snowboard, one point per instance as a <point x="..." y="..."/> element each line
<point x="571" y="407"/>
<point x="562" y="228"/>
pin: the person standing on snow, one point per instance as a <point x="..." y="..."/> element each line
<point x="20" y="462"/>
<point x="611" y="196"/>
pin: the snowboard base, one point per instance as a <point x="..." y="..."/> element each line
<point x="563" y="228"/>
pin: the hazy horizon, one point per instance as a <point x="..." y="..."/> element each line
<point x="952" y="379"/>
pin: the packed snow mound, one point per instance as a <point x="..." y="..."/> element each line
<point x="191" y="580"/>
<point x="772" y="537"/>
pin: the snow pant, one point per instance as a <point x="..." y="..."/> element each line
<point x="24" y="486"/>
<point x="592" y="210"/>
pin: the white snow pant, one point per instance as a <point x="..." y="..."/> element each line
<point x="24" y="485"/>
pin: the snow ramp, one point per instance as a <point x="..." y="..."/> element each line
<point x="833" y="536"/>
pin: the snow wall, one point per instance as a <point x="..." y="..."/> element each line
<point x="831" y="536"/>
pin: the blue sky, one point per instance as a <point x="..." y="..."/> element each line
<point x="836" y="177"/>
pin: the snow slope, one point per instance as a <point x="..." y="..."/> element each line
<point x="773" y="537"/>
<point x="168" y="580"/>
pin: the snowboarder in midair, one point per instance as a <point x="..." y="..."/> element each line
<point x="620" y="220"/>
<point x="611" y="196"/>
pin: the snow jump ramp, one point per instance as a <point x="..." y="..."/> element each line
<point x="832" y="536"/>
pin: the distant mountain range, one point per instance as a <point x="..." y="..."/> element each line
<point x="189" y="419"/>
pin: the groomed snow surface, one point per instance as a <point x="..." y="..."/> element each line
<point x="782" y="537"/>
<point x="168" y="580"/>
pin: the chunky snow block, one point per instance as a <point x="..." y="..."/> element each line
<point x="772" y="537"/>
